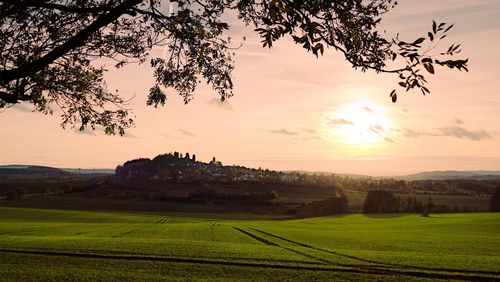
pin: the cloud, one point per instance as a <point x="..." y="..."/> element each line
<point x="450" y="131"/>
<point x="165" y="135"/>
<point x="309" y="130"/>
<point x="284" y="132"/>
<point x="187" y="133"/>
<point x="222" y="105"/>
<point x="389" y="140"/>
<point x="459" y="121"/>
<point x="379" y="130"/>
<point x="340" y="121"/>
<point x="310" y="138"/>
<point x="410" y="133"/>
<point x="461" y="132"/>
<point x="367" y="109"/>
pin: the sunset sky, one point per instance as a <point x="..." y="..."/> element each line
<point x="292" y="111"/>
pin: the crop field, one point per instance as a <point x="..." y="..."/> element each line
<point x="44" y="244"/>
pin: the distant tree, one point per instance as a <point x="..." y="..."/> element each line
<point x="427" y="208"/>
<point x="12" y="195"/>
<point x="49" y="48"/>
<point x="380" y="201"/>
<point x="21" y="191"/>
<point x="331" y="205"/>
<point x="495" y="200"/>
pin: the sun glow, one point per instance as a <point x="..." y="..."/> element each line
<point x="361" y="123"/>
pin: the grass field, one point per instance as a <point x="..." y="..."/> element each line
<point x="44" y="244"/>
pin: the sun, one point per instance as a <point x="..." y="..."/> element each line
<point x="360" y="123"/>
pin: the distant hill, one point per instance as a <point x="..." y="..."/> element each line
<point x="85" y="171"/>
<point x="15" y="166"/>
<point x="19" y="170"/>
<point x="51" y="171"/>
<point x="351" y="175"/>
<point x="453" y="174"/>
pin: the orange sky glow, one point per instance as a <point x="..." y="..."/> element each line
<point x="292" y="111"/>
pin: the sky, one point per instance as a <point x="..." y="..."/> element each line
<point x="293" y="111"/>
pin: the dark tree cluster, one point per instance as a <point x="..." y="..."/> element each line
<point x="495" y="200"/>
<point x="331" y="205"/>
<point x="16" y="193"/>
<point x="380" y="201"/>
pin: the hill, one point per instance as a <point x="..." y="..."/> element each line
<point x="90" y="171"/>
<point x="52" y="171"/>
<point x="453" y="174"/>
<point x="33" y="171"/>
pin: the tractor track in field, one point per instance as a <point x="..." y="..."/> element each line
<point x="124" y="233"/>
<point x="163" y="220"/>
<point x="269" y="243"/>
<point x="318" y="267"/>
<point x="260" y="239"/>
<point x="38" y="229"/>
<point x="103" y="220"/>
<point x="381" y="265"/>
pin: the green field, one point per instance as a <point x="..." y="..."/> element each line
<point x="44" y="244"/>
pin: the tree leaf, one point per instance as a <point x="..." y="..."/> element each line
<point x="448" y="28"/>
<point x="418" y="41"/>
<point x="429" y="68"/>
<point x="431" y="36"/>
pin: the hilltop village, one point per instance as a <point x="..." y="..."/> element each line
<point x="178" y="168"/>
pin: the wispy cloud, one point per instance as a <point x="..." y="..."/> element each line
<point x="284" y="132"/>
<point x="367" y="109"/>
<point x="450" y="131"/>
<point x="410" y="133"/>
<point x="377" y="128"/>
<point x="309" y="130"/>
<point x="462" y="132"/>
<point x="340" y="121"/>
<point x="380" y="131"/>
<point x="389" y="140"/>
<point x="186" y="133"/>
<point x="222" y="105"/>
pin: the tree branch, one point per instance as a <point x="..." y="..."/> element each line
<point x="78" y="40"/>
